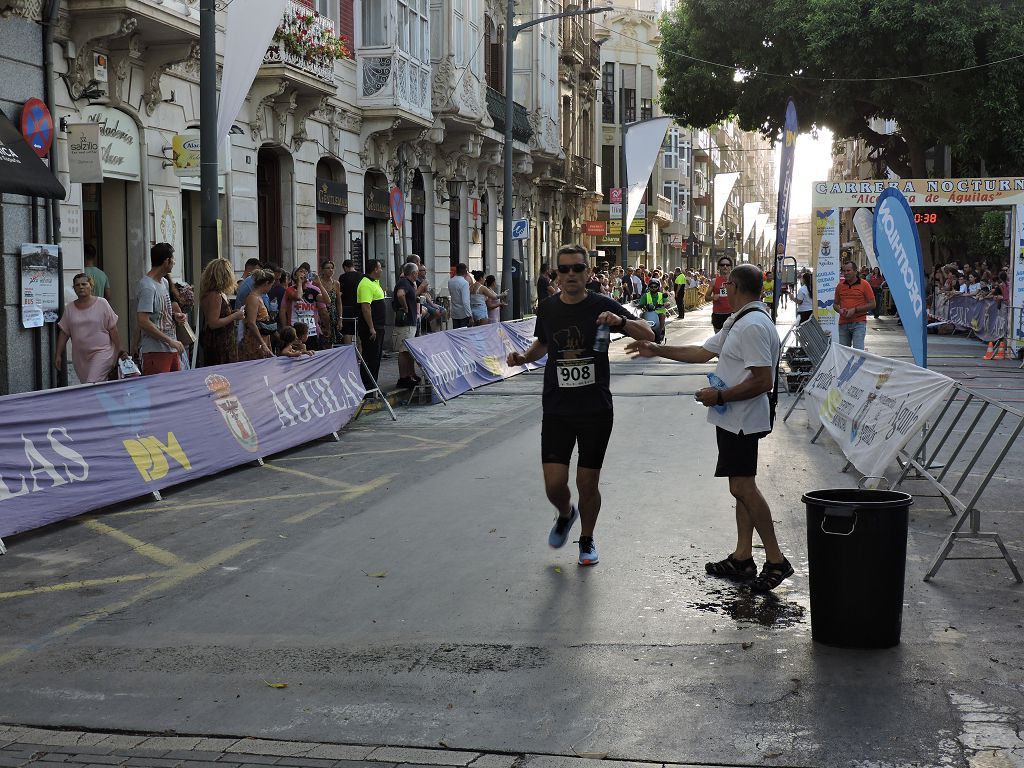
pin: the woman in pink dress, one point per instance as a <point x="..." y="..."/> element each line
<point x="91" y="325"/>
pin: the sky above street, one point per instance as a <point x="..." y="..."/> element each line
<point x="812" y="163"/>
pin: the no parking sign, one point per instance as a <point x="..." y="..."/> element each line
<point x="37" y="126"/>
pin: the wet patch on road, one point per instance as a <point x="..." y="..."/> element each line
<point x="735" y="601"/>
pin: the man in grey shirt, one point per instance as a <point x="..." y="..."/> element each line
<point x="158" y="344"/>
<point x="458" y="290"/>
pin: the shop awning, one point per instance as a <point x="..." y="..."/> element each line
<point x="21" y="170"/>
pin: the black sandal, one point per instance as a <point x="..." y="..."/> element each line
<point x="731" y="568"/>
<point x="772" y="574"/>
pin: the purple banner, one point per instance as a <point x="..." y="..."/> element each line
<point x="986" y="318"/>
<point x="459" y="360"/>
<point x="65" y="452"/>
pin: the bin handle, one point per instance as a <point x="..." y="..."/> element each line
<point x="838" y="512"/>
<point x="883" y="478"/>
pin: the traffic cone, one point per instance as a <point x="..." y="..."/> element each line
<point x="991" y="351"/>
<point x="1001" y="353"/>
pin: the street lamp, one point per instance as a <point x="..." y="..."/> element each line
<point x="512" y="32"/>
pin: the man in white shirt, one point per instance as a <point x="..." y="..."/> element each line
<point x="747" y="349"/>
<point x="458" y="290"/>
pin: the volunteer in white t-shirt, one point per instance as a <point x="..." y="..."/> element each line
<point x="747" y="349"/>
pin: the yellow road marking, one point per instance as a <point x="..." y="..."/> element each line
<point x="174" y="578"/>
<point x="350" y="495"/>
<point x="161" y="507"/>
<point x="153" y="552"/>
<point x="84" y="584"/>
<point x="310" y="476"/>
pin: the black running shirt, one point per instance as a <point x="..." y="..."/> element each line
<point x="575" y="378"/>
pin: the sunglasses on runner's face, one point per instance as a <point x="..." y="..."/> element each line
<point x="724" y="264"/>
<point x="565" y="269"/>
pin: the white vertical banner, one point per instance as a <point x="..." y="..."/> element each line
<point x="84" y="163"/>
<point x="724" y="183"/>
<point x="825" y="263"/>
<point x="1016" y="317"/>
<point x="864" y="223"/>
<point x="760" y="224"/>
<point x="643" y="144"/>
<point x="750" y="211"/>
<point x="250" y="28"/>
<point x="872" y="405"/>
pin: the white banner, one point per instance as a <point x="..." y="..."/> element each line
<point x="825" y="263"/>
<point x="643" y="143"/>
<point x="750" y="211"/>
<point x="1016" y="318"/>
<point x="760" y="223"/>
<point x="249" y="30"/>
<point x="871" y="405"/>
<point x="864" y="223"/>
<point x="84" y="164"/>
<point x="724" y="183"/>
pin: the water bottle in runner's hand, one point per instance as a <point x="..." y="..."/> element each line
<point x="717" y="383"/>
<point x="602" y="338"/>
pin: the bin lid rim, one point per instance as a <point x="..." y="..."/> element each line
<point x="895" y="498"/>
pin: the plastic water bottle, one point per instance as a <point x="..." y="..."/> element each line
<point x="717" y="383"/>
<point x="602" y="338"/>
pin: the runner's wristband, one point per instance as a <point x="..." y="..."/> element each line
<point x="624" y="321"/>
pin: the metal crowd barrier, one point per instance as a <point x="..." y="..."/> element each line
<point x="812" y="337"/>
<point x="949" y="463"/>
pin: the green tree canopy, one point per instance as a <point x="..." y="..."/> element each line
<point x="831" y="56"/>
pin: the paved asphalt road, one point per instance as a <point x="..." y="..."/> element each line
<point x="400" y="584"/>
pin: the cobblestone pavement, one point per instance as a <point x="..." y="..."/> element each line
<point x="45" y="748"/>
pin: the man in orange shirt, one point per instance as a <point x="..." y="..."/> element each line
<point x="853" y="300"/>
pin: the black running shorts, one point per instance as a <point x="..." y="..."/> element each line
<point x="559" y="434"/>
<point x="718" y="320"/>
<point x="737" y="454"/>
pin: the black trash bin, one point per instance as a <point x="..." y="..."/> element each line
<point x="857" y="556"/>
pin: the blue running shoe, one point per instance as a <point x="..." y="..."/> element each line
<point x="560" y="530"/>
<point x="588" y="552"/>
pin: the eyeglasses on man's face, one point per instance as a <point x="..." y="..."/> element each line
<point x="724" y="264"/>
<point x="565" y="269"/>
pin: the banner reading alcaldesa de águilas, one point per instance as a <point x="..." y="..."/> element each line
<point x="785" y="184"/>
<point x="898" y="249"/>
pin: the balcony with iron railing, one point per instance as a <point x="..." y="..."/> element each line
<point x="521" y="130"/>
<point x="303" y="63"/>
<point x="663" y="210"/>
<point x="582" y="173"/>
<point x="391" y="79"/>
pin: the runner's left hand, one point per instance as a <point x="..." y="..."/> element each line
<point x="707" y="396"/>
<point x="609" y="318"/>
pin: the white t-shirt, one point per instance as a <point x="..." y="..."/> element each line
<point x="753" y="343"/>
<point x="803" y="298"/>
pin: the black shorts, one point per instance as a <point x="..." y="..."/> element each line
<point x="737" y="454"/>
<point x="718" y="319"/>
<point x="559" y="433"/>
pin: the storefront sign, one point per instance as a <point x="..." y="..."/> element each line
<point x="331" y="196"/>
<point x="98" y="445"/>
<point x="932" y="193"/>
<point x="119" y="142"/>
<point x="185" y="151"/>
<point x="40" y="284"/>
<point x="376" y="203"/>
<point x="636" y="227"/>
<point x="596" y="227"/>
<point x="872" y="405"/>
<point x="84" y="165"/>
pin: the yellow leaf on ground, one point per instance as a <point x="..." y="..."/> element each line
<point x="377" y="574"/>
<point x="275" y="685"/>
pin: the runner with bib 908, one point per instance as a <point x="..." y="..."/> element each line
<point x="577" y="401"/>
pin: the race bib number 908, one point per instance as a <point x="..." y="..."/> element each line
<point x="575" y="373"/>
